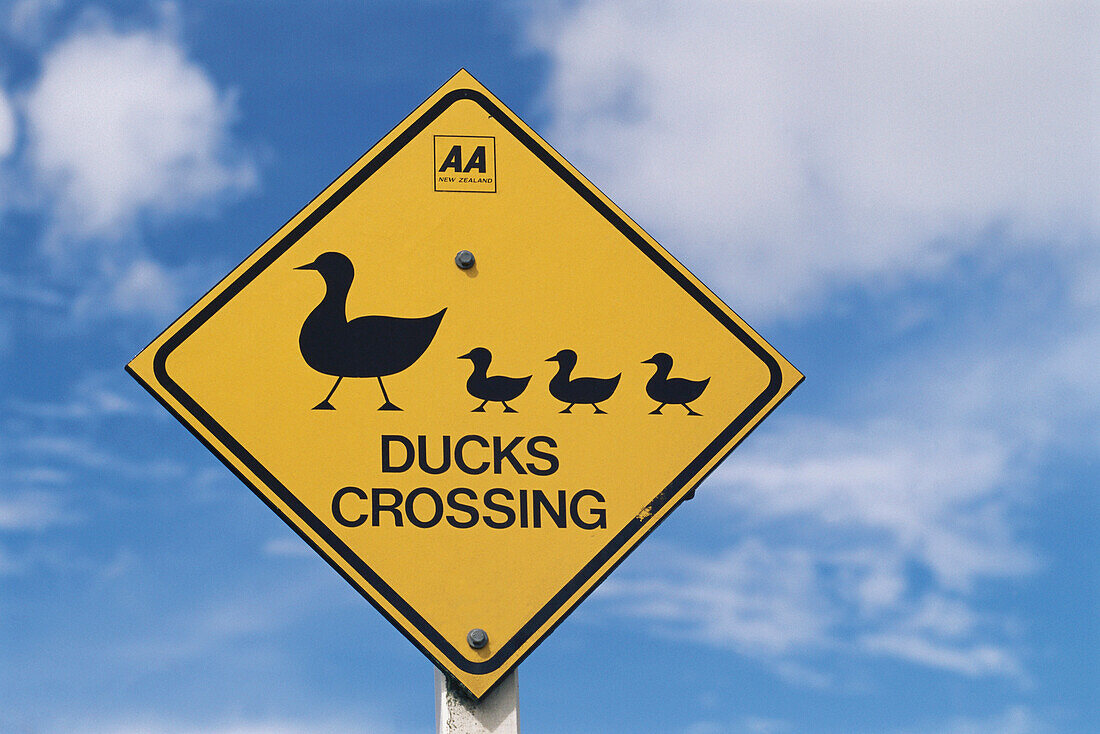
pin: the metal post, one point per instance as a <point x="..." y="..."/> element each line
<point x="457" y="713"/>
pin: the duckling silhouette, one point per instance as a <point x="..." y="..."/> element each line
<point x="583" y="390"/>
<point x="368" y="346"/>
<point x="674" y="391"/>
<point x="498" y="388"/>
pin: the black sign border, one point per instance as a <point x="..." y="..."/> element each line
<point x="629" y="536"/>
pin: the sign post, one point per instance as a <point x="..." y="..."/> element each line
<point x="457" y="713"/>
<point x="468" y="380"/>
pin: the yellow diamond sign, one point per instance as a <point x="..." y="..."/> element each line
<point x="467" y="379"/>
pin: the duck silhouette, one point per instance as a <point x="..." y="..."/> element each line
<point x="583" y="390"/>
<point x="496" y="389"/>
<point x="671" y="391"/>
<point x="368" y="346"/>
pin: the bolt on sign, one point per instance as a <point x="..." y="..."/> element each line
<point x="467" y="379"/>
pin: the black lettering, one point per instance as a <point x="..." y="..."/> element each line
<point x="551" y="460"/>
<point x="477" y="160"/>
<point x="386" y="465"/>
<point x="454" y="504"/>
<point x="509" y="513"/>
<point x="339" y="516"/>
<point x="598" y="512"/>
<point x="460" y="457"/>
<point x="453" y="160"/>
<point x="410" y="506"/>
<point x="523" y="515"/>
<point x="422" y="444"/>
<point x="540" y="501"/>
<point x="377" y="507"/>
<point x="500" y="454"/>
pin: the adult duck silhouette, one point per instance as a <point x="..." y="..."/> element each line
<point x="671" y="391"/>
<point x="582" y="390"/>
<point x="368" y="346"/>
<point x="496" y="389"/>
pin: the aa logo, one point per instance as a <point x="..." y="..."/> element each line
<point x="465" y="163"/>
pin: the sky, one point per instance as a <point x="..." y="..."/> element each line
<point x="904" y="199"/>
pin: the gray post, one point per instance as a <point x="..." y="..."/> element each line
<point x="457" y="713"/>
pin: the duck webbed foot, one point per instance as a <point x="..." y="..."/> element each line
<point x="480" y="408"/>
<point x="508" y="408"/>
<point x="657" y="410"/>
<point x="597" y="411"/>
<point x="386" y="405"/>
<point x="325" y="404"/>
<point x="690" y="411"/>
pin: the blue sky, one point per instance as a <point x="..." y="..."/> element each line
<point x="903" y="199"/>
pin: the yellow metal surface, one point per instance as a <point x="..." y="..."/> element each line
<point x="558" y="267"/>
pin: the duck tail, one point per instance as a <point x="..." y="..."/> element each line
<point x="435" y="319"/>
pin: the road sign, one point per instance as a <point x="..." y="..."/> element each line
<point x="474" y="440"/>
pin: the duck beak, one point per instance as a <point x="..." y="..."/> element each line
<point x="648" y="361"/>
<point x="308" y="266"/>
<point x="552" y="359"/>
<point x="467" y="355"/>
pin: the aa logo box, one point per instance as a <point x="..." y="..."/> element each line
<point x="465" y="163"/>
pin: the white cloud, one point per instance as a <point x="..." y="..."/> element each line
<point x="936" y="493"/>
<point x="31" y="511"/>
<point x="789" y="604"/>
<point x="7" y="126"/>
<point x="124" y="124"/>
<point x="1013" y="720"/>
<point x="226" y="623"/>
<point x="975" y="660"/>
<point x="63" y="449"/>
<point x="791" y="149"/>
<point x="762" y="725"/>
<point x="288" y="547"/>
<point x="145" y="287"/>
<point x="750" y="598"/>
<point x="1032" y="389"/>
<point x="748" y="725"/>
<point x="133" y="284"/>
<point x="94" y="395"/>
<point x="18" y="289"/>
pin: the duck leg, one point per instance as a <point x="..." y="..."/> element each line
<point x="568" y="408"/>
<point x="480" y="408"/>
<point x="597" y="410"/>
<point x="508" y="408"/>
<point x="657" y="410"/>
<point x="690" y="411"/>
<point x="325" y="404"/>
<point x="387" y="405"/>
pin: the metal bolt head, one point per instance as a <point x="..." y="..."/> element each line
<point x="477" y="638"/>
<point x="464" y="259"/>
